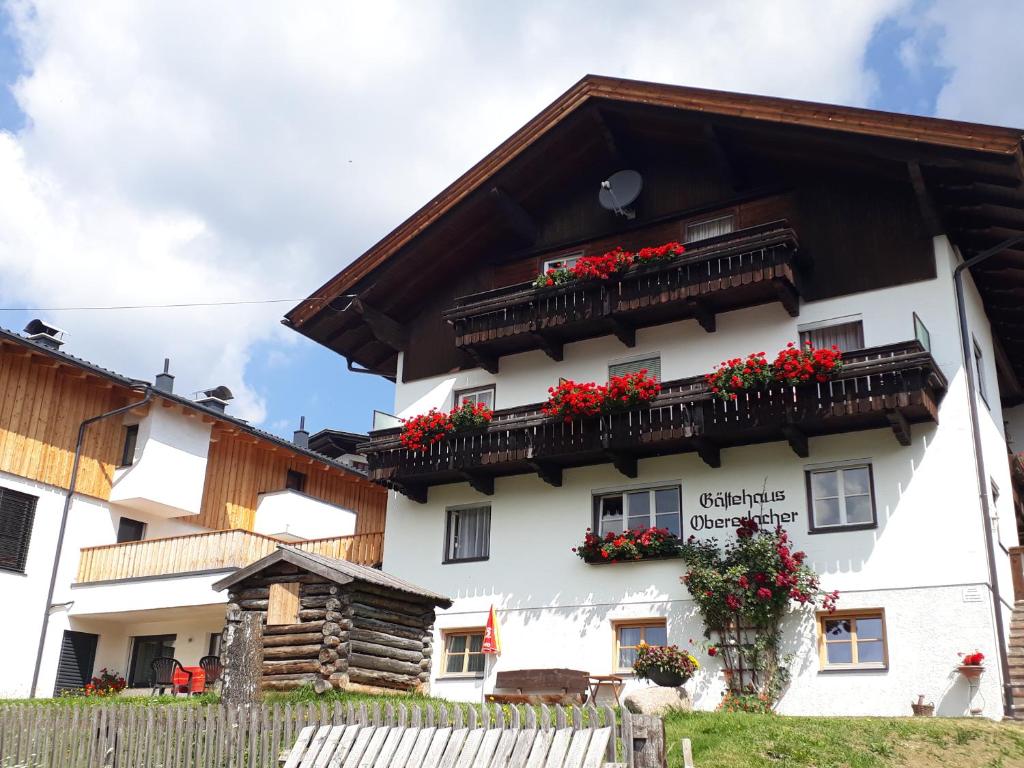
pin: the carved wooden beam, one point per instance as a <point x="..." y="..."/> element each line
<point x="482" y="483"/>
<point x="925" y="203"/>
<point x="417" y="493"/>
<point x="788" y="296"/>
<point x="623" y="331"/>
<point x="488" y="362"/>
<point x="703" y="314"/>
<point x="625" y="463"/>
<point x="385" y="329"/>
<point x="797" y="440"/>
<point x="900" y="426"/>
<point x="518" y="219"/>
<point x="709" y="453"/>
<point x="549" y="473"/>
<point x="551" y="346"/>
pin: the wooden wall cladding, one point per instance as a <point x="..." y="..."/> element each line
<point x="42" y="404"/>
<point x="239" y="468"/>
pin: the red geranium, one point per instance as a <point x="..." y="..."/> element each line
<point x="975" y="659"/>
<point x="571" y="400"/>
<point x="606" y="265"/>
<point x="659" y="253"/>
<point x="631" y="389"/>
<point x="796" y="365"/>
<point x="739" y="374"/>
<point x="419" y="433"/>
<point x="638" y="544"/>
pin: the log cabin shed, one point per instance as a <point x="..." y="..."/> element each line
<point x="335" y="624"/>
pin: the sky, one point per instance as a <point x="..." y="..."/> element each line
<point x="157" y="153"/>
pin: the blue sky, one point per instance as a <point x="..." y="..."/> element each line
<point x="256" y="217"/>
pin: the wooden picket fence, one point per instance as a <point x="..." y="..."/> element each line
<point x="220" y="736"/>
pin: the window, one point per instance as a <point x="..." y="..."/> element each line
<point x="214" y="647"/>
<point x="979" y="373"/>
<point x="17" y="513"/>
<point x="131" y="438"/>
<point x="467" y="534"/>
<point x="848" y="335"/>
<point x="852" y="640"/>
<point x="565" y="261"/>
<point x="283" y="603"/>
<point x="295" y="481"/>
<point x="483" y="395"/>
<point x="651" y="363"/>
<point x="702" y="230"/>
<point x="130" y="530"/>
<point x="841" y="498"/>
<point x="642" y="508"/>
<point x="629" y="635"/>
<point x="463" y="653"/>
<point x="144" y="650"/>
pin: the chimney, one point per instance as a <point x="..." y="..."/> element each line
<point x="216" y="398"/>
<point x="164" y="382"/>
<point x="44" y="334"/>
<point x="301" y="436"/>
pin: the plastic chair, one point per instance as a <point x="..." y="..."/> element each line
<point x="161" y="673"/>
<point x="213" y="668"/>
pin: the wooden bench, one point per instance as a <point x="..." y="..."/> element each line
<point x="535" y="686"/>
<point x="382" y="746"/>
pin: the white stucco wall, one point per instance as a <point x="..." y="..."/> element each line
<point x="169" y="471"/>
<point x="295" y="515"/>
<point x="925" y="563"/>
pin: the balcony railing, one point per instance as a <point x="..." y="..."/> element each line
<point x="890" y="386"/>
<point x="211" y="551"/>
<point x="744" y="268"/>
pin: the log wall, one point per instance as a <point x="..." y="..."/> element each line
<point x="346" y="636"/>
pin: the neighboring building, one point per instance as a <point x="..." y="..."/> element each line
<point x="169" y="497"/>
<point x="802" y="220"/>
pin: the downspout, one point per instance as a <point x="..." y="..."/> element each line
<point x="68" y="497"/>
<point x="979" y="459"/>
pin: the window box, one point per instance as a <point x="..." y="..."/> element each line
<point x="644" y="559"/>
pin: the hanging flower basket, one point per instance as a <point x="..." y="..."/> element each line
<point x="666" y="679"/>
<point x="666" y="666"/>
<point x="971" y="671"/>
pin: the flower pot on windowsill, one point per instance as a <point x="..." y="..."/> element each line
<point x="971" y="671"/>
<point x="666" y="679"/>
<point x="645" y="559"/>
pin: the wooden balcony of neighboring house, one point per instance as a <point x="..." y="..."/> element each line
<point x="212" y="551"/>
<point x="741" y="269"/>
<point x="891" y="386"/>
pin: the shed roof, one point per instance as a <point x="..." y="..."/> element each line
<point x="340" y="571"/>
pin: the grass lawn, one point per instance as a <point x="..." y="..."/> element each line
<point x="758" y="741"/>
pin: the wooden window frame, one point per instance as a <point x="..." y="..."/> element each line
<point x="454" y="632"/>
<point x="460" y="393"/>
<point x="852" y="613"/>
<point x="446" y="559"/>
<point x="653" y="516"/>
<point x="643" y="624"/>
<point x="131" y="438"/>
<point x="813" y="527"/>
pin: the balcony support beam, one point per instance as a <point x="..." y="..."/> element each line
<point x="549" y="473"/>
<point x="703" y="314"/>
<point x="788" y="296"/>
<point x="797" y="440"/>
<point x="482" y="483"/>
<point x="623" y="331"/>
<point x="709" y="453"/>
<point x="384" y="328"/>
<point x="900" y="426"/>
<point x="417" y="493"/>
<point x="625" y="463"/>
<point x="552" y="347"/>
<point x="488" y="362"/>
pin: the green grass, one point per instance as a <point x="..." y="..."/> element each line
<point x="761" y="741"/>
<point x="121" y="701"/>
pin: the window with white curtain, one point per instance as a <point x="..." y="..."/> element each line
<point x="847" y="335"/>
<point x="468" y="534"/>
<point x="638" y="509"/>
<point x="702" y="230"/>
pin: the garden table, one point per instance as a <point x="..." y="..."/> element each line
<point x="191" y="685"/>
<point x="612" y="682"/>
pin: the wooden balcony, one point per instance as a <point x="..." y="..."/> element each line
<point x="745" y="268"/>
<point x="216" y="550"/>
<point x="891" y="386"/>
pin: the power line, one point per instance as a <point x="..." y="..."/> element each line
<point x="158" y="306"/>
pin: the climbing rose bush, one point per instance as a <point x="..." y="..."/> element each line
<point x="639" y="544"/>
<point x="606" y="265"/>
<point x="421" y="432"/>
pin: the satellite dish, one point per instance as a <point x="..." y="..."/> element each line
<point x="619" y="191"/>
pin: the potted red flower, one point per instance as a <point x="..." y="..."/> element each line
<point x="573" y="400"/>
<point x="804" y="365"/>
<point x="664" y="665"/>
<point x="630" y="390"/>
<point x="640" y="544"/>
<point x="972" y="665"/>
<point x="738" y="375"/>
<point x="419" y="433"/>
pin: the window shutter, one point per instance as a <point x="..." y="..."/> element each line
<point x="846" y="336"/>
<point x="652" y="364"/>
<point x="17" y="513"/>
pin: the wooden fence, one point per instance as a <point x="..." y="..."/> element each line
<point x="233" y="548"/>
<point x="220" y="736"/>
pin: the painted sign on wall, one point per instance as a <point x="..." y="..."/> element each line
<point x="724" y="510"/>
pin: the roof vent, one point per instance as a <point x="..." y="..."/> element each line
<point x="216" y="398"/>
<point x="164" y="382"/>
<point x="301" y="436"/>
<point x="44" y="334"/>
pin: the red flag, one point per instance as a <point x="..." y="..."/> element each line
<point x="492" y="634"/>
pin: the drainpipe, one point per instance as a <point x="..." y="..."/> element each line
<point x="68" y="497"/>
<point x="979" y="459"/>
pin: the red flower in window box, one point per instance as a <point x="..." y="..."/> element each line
<point x="421" y="432"/>
<point x="572" y="400"/>
<point x="638" y="544"/>
<point x="630" y="390"/>
<point x="801" y="365"/>
<point x="606" y="265"/>
<point x="737" y="375"/>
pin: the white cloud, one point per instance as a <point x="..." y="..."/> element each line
<point x="190" y="151"/>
